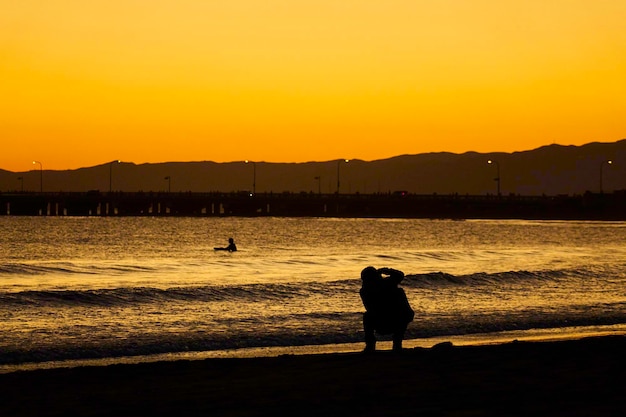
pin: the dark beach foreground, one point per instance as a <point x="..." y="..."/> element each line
<point x="585" y="377"/>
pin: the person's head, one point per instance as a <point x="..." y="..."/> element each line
<point x="231" y="240"/>
<point x="370" y="274"/>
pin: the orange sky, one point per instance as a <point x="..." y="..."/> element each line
<point x="86" y="82"/>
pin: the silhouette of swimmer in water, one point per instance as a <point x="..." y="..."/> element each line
<point x="231" y="246"/>
<point x="387" y="310"/>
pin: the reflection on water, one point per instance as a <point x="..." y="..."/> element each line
<point x="166" y="252"/>
<point x="101" y="287"/>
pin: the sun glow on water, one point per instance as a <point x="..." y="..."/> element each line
<point x="152" y="285"/>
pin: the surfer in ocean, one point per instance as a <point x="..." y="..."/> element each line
<point x="231" y="246"/>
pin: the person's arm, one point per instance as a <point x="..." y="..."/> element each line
<point x="395" y="275"/>
<point x="369" y="299"/>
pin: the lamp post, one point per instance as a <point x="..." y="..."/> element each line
<point x="497" y="178"/>
<point x="40" y="175"/>
<point x="609" y="162"/>
<point x="319" y="184"/>
<point x="169" y="183"/>
<point x="111" y="174"/>
<point x="253" y="175"/>
<point x="338" y="165"/>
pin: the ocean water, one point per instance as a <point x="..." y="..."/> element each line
<point x="74" y="288"/>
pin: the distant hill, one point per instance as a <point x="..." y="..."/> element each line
<point x="549" y="170"/>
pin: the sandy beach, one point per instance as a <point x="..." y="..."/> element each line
<point x="570" y="378"/>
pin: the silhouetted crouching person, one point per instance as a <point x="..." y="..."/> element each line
<point x="387" y="310"/>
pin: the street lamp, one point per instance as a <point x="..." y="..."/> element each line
<point x="40" y="175"/>
<point x="169" y="183"/>
<point x="111" y="174"/>
<point x="497" y="178"/>
<point x="338" y="165"/>
<point x="253" y="175"/>
<point x="609" y="162"/>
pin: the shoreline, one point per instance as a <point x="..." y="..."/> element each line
<point x="568" y="377"/>
<point x="478" y="339"/>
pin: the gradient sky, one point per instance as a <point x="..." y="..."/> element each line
<point x="86" y="82"/>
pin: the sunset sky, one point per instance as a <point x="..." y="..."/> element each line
<point x="86" y="82"/>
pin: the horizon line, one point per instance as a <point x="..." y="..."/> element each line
<point x="318" y="162"/>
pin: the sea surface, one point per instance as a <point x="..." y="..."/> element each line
<point x="133" y="288"/>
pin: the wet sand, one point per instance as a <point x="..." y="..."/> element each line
<point x="560" y="378"/>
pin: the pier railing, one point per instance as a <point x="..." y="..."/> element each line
<point x="588" y="206"/>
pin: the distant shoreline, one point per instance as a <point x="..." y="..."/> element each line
<point x="589" y="206"/>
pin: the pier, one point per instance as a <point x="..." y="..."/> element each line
<point x="588" y="206"/>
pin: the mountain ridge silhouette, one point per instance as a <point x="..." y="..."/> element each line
<point x="551" y="170"/>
